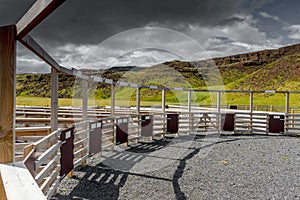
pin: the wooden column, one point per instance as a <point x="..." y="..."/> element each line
<point x="163" y="100"/>
<point x="7" y="92"/>
<point x="164" y="115"/>
<point x="287" y="102"/>
<point x="190" y="111"/>
<point x="138" y="100"/>
<point x="219" y="111"/>
<point x="287" y="107"/>
<point x="85" y="88"/>
<point x="189" y="101"/>
<point x="251" y="111"/>
<point x="112" y="100"/>
<point x="54" y="99"/>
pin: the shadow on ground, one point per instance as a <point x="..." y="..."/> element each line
<point x="103" y="182"/>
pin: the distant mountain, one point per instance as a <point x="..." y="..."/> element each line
<point x="268" y="69"/>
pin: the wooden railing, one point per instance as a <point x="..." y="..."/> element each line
<point x="43" y="153"/>
<point x="42" y="160"/>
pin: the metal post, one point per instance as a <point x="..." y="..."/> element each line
<point x="85" y="86"/>
<point x="54" y="99"/>
<point x="112" y="100"/>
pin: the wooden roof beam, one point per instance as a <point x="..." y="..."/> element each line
<point x="35" y="15"/>
<point x="33" y="46"/>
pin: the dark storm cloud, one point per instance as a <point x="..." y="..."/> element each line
<point x="12" y="10"/>
<point x="231" y="21"/>
<point x="72" y="32"/>
<point x="92" y="21"/>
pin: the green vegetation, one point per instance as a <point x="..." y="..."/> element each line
<point x="271" y="69"/>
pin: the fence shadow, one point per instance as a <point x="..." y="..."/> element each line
<point x="102" y="182"/>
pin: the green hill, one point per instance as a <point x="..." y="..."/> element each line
<point x="269" y="69"/>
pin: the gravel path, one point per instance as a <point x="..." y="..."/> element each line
<point x="226" y="167"/>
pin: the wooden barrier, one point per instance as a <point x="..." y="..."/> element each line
<point x="42" y="161"/>
<point x="81" y="135"/>
<point x="159" y="124"/>
<point x="17" y="183"/>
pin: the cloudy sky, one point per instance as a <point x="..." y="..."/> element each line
<point x="101" y="34"/>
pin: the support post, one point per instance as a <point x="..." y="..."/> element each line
<point x="191" y="128"/>
<point x="219" y="111"/>
<point x="138" y="101"/>
<point x="112" y="100"/>
<point x="54" y="99"/>
<point x="138" y="109"/>
<point x="287" y="107"/>
<point x="7" y="92"/>
<point x="287" y="102"/>
<point x="163" y="100"/>
<point x="85" y="87"/>
<point x="163" y="108"/>
<point x="251" y="112"/>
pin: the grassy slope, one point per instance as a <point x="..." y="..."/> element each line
<point x="282" y="74"/>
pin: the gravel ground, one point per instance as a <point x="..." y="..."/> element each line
<point x="211" y="167"/>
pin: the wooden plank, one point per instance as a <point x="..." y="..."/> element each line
<point x="81" y="124"/>
<point x="2" y="190"/>
<point x="53" y="188"/>
<point x="50" y="138"/>
<point x="46" y="155"/>
<point x="49" y="181"/>
<point x="18" y="183"/>
<point x="32" y="131"/>
<point x="33" y="46"/>
<point x="54" y="99"/>
<point x="81" y="142"/>
<point x="81" y="160"/>
<point x="81" y="134"/>
<point x="47" y="169"/>
<point x="46" y="120"/>
<point x="7" y="92"/>
<point x="36" y="14"/>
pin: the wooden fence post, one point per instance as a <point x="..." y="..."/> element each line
<point x="7" y="92"/>
<point x="219" y="111"/>
<point x="112" y="100"/>
<point x="287" y="108"/>
<point x="251" y="111"/>
<point x="54" y="99"/>
<point x="85" y="87"/>
<point x="191" y="124"/>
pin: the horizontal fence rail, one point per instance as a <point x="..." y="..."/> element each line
<point x="50" y="157"/>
